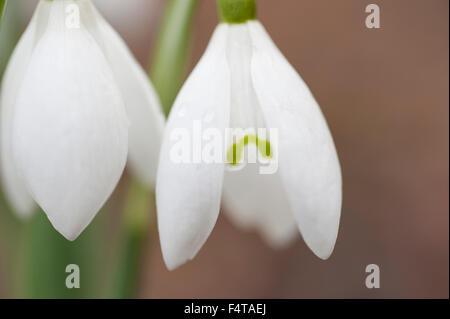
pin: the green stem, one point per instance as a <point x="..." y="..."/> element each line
<point x="9" y="32"/>
<point x="2" y="9"/>
<point x="170" y="57"/>
<point x="139" y="211"/>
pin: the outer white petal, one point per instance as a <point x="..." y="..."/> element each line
<point x="256" y="201"/>
<point x="245" y="110"/>
<point x="70" y="127"/>
<point x="142" y="103"/>
<point x="188" y="194"/>
<point x="308" y="162"/>
<point x="15" y="190"/>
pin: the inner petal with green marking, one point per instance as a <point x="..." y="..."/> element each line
<point x="235" y="152"/>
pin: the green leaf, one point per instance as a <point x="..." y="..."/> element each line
<point x="47" y="254"/>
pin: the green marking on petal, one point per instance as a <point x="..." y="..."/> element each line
<point x="235" y="152"/>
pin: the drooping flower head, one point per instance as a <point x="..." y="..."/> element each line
<point x="244" y="82"/>
<point x="74" y="105"/>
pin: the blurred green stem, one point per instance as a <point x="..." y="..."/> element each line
<point x="139" y="211"/>
<point x="170" y="57"/>
<point x="2" y="9"/>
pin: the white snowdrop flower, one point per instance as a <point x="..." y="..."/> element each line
<point x="74" y="104"/>
<point x="243" y="81"/>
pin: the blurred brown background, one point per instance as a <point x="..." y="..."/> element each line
<point x="385" y="95"/>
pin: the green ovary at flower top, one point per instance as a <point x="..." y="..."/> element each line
<point x="244" y="82"/>
<point x="236" y="11"/>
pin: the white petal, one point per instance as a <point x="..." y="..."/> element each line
<point x="188" y="194"/>
<point x="15" y="190"/>
<point x="308" y="162"/>
<point x="245" y="110"/>
<point x="142" y="103"/>
<point x="258" y="201"/>
<point x="70" y="127"/>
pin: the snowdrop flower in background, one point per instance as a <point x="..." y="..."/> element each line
<point x="133" y="19"/>
<point x="120" y="12"/>
<point x="74" y="104"/>
<point x="243" y="81"/>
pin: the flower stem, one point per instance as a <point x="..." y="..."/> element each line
<point x="137" y="222"/>
<point x="236" y="11"/>
<point x="9" y="33"/>
<point x="169" y="60"/>
<point x="2" y="9"/>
